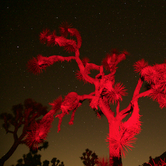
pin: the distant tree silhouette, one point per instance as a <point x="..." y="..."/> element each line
<point x="157" y="161"/>
<point x="28" y="116"/>
<point x="89" y="158"/>
<point x="34" y="159"/>
<point x="121" y="134"/>
<point x="56" y="162"/>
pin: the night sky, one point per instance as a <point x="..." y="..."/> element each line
<point x="137" y="26"/>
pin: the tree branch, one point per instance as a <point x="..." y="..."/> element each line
<point x="143" y="94"/>
<point x="9" y="131"/>
<point x="82" y="69"/>
<point x="106" y="110"/>
<point x="138" y="87"/>
<point x="117" y="107"/>
<point x="36" y="65"/>
<point x="84" y="97"/>
<point x="126" y="111"/>
<point x="135" y="97"/>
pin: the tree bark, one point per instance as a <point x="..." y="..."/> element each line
<point x="11" y="150"/>
<point x="114" y="146"/>
<point x="9" y="153"/>
<point x="115" y="161"/>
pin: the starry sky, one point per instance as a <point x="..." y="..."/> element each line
<point x="136" y="26"/>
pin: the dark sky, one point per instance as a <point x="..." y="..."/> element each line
<point x="136" y="26"/>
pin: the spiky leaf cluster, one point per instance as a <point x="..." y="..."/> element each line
<point x="103" y="161"/>
<point x="155" y="76"/>
<point x="112" y="59"/>
<point x="115" y="93"/>
<point x="69" y="45"/>
<point x="38" y="131"/>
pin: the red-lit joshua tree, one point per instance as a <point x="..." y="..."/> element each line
<point x="121" y="134"/>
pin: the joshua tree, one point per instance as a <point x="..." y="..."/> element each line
<point x="121" y="134"/>
<point x="89" y="158"/>
<point x="26" y="116"/>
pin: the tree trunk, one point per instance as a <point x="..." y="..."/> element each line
<point x="114" y="143"/>
<point x="11" y="150"/>
<point x="9" y="153"/>
<point x="115" y="161"/>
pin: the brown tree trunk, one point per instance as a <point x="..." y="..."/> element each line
<point x="115" y="161"/>
<point x="9" y="153"/>
<point x="11" y="150"/>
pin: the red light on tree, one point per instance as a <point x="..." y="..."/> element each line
<point x="33" y="128"/>
<point x="121" y="134"/>
<point x="38" y="130"/>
